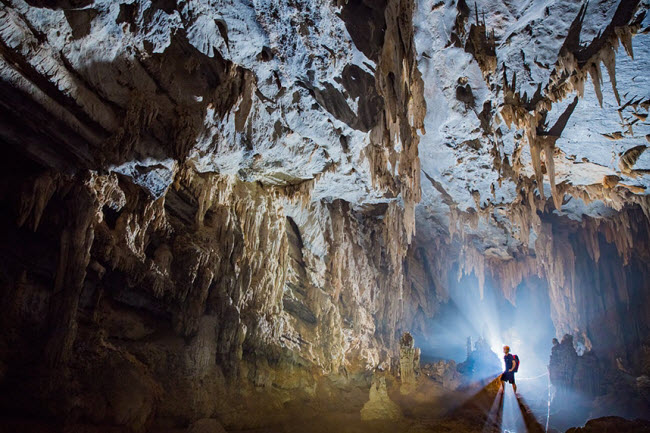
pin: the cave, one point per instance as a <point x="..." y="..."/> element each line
<point x="278" y="216"/>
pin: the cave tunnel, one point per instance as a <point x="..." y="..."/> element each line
<point x="318" y="216"/>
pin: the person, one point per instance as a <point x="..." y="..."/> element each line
<point x="509" y="374"/>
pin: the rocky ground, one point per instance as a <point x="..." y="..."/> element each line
<point x="428" y="408"/>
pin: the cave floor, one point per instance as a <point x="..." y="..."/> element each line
<point x="480" y="407"/>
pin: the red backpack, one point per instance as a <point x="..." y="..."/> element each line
<point x="516" y="361"/>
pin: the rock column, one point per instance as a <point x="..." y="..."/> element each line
<point x="409" y="362"/>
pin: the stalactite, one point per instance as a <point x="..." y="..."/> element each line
<point x="35" y="196"/>
<point x="549" y="150"/>
<point x="83" y="203"/>
<point x="596" y="79"/>
<point x="608" y="57"/>
<point x="624" y="36"/>
<point x="568" y="76"/>
<point x="629" y="159"/>
<point x="394" y="141"/>
<point x="473" y="262"/>
<point x="559" y="243"/>
<point x="590" y="238"/>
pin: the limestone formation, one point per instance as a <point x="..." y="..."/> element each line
<point x="409" y="362"/>
<point x="380" y="406"/>
<point x="227" y="214"/>
<point x="443" y="372"/>
<point x="563" y="366"/>
<point x="481" y="362"/>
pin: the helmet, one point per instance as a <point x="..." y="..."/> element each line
<point x="506" y="348"/>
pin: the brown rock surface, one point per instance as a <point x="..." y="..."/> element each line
<point x="612" y="424"/>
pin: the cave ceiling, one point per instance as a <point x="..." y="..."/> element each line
<point x="501" y="97"/>
<point x="539" y="84"/>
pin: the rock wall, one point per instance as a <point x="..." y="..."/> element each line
<point x="574" y="376"/>
<point x="597" y="287"/>
<point x="206" y="211"/>
<point x="585" y="387"/>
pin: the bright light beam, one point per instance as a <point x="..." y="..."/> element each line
<point x="513" y="420"/>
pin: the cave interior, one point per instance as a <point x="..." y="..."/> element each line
<point x="324" y="215"/>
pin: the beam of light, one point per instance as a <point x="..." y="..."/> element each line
<point x="524" y="325"/>
<point x="531" y="422"/>
<point x="548" y="407"/>
<point x="536" y="386"/>
<point x="513" y="419"/>
<point x="487" y="401"/>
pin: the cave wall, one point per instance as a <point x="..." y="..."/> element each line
<point x="595" y="270"/>
<point x="203" y="218"/>
<point x="187" y="308"/>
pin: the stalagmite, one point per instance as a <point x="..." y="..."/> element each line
<point x="409" y="362"/>
<point x="380" y="406"/>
